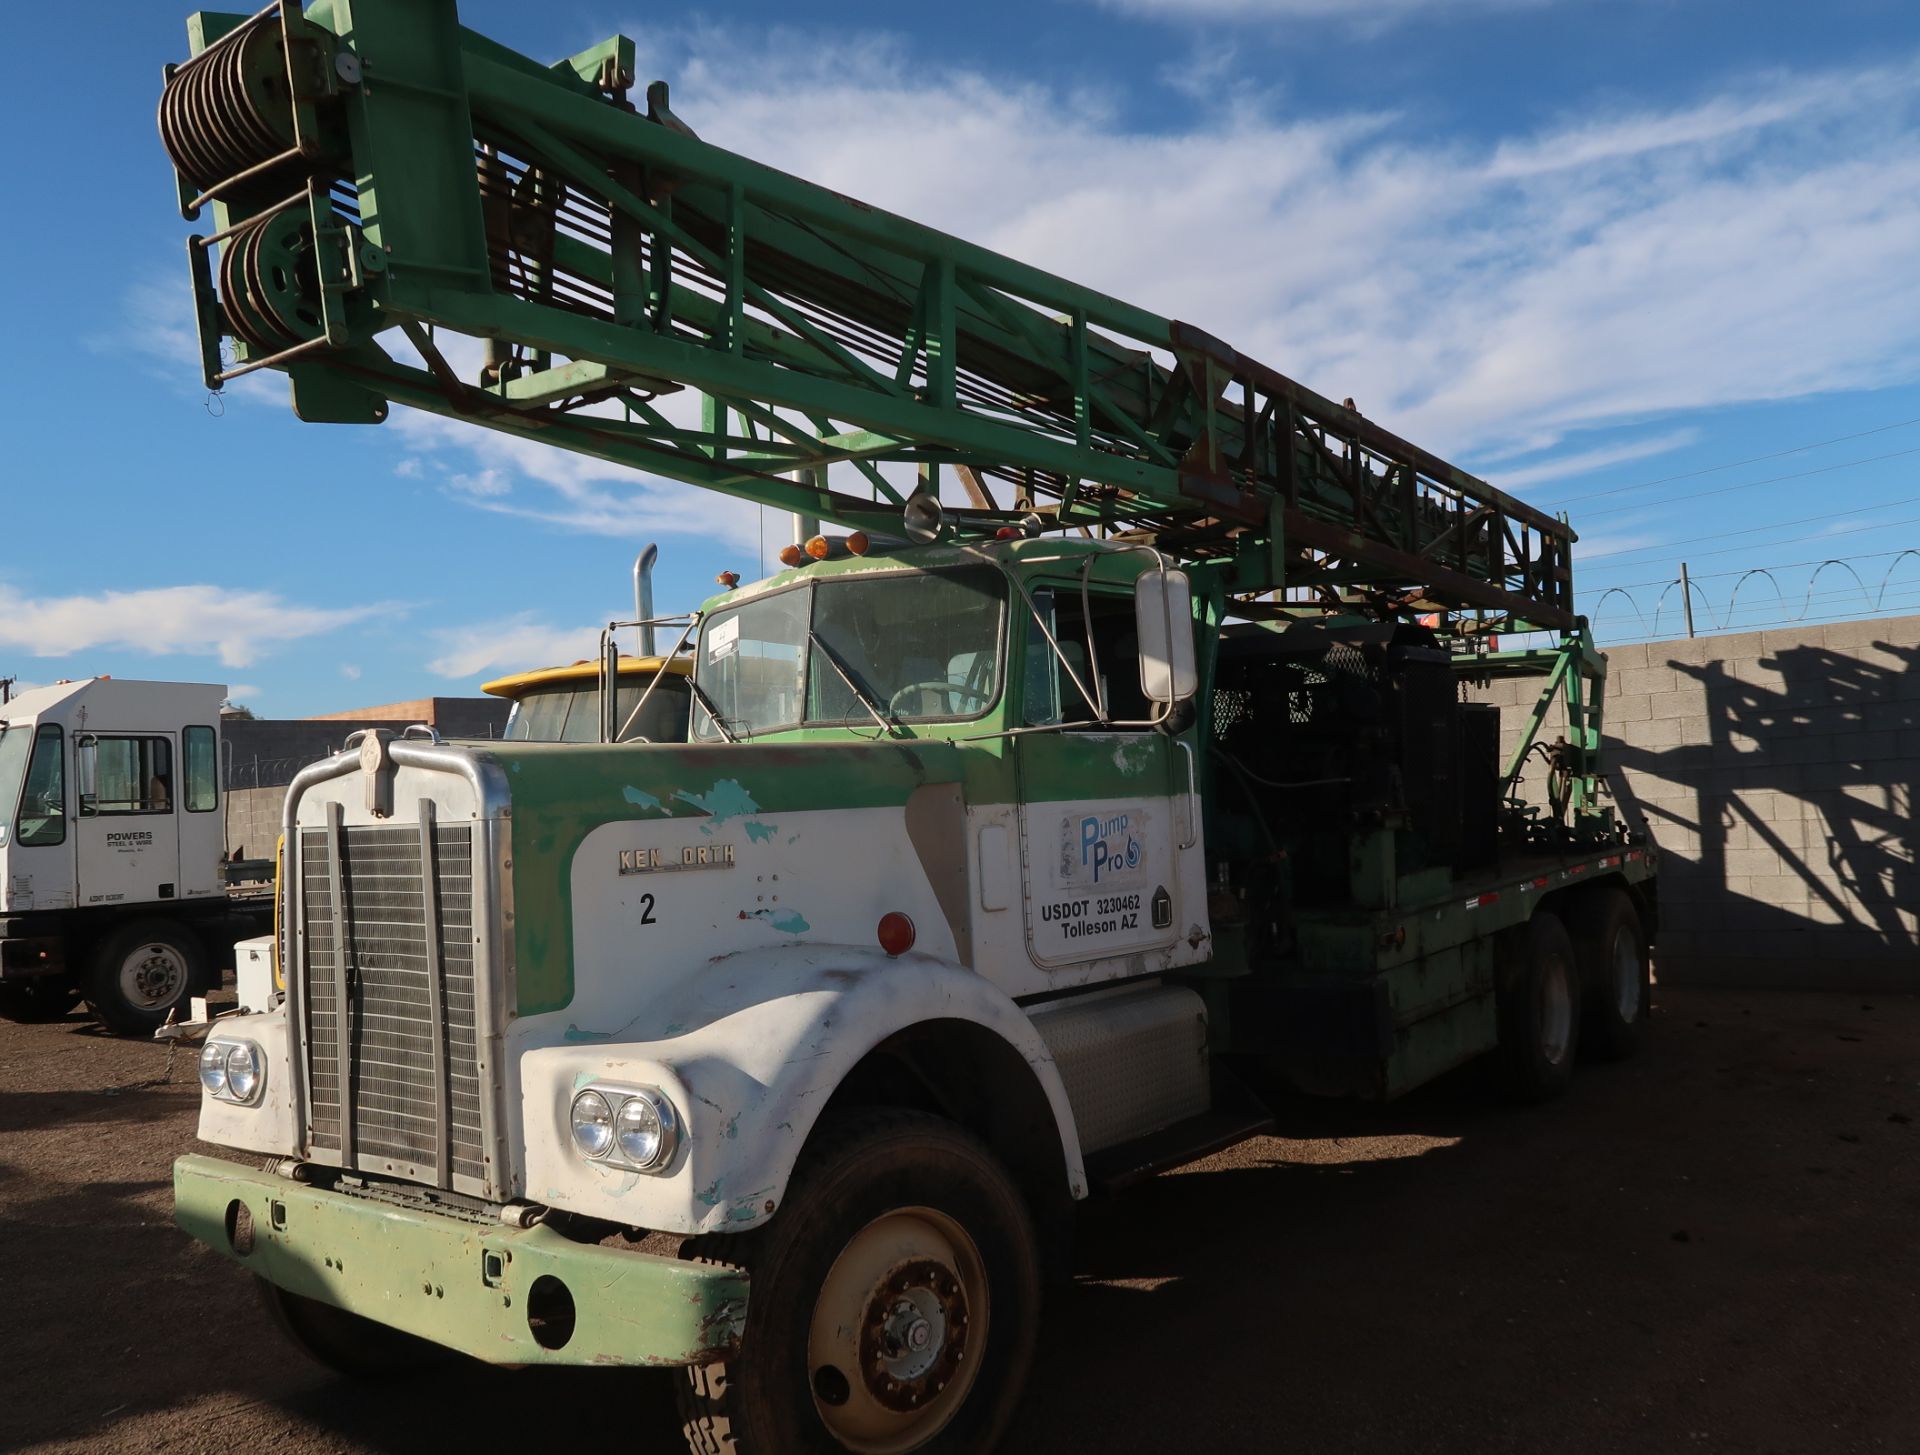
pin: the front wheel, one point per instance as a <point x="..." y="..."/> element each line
<point x="142" y="971"/>
<point x="892" y="1303"/>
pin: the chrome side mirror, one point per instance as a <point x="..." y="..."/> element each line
<point x="1163" y="620"/>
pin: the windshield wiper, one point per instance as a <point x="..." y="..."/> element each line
<point x="713" y="712"/>
<point x="867" y="699"/>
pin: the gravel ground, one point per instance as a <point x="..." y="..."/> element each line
<point x="1712" y="1248"/>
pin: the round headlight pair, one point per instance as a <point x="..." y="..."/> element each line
<point x="231" y="1070"/>
<point x="636" y="1127"/>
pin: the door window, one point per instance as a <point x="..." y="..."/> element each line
<point x="203" y="785"/>
<point x="1104" y="645"/>
<point x="132" y="775"/>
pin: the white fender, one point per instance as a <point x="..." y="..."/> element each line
<point x="749" y="1050"/>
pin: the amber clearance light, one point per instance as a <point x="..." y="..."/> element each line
<point x="896" y="933"/>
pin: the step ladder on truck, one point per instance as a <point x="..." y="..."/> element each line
<point x="1091" y="756"/>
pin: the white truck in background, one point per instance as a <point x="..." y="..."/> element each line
<point x="114" y="879"/>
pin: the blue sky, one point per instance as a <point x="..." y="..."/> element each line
<point x="1649" y="261"/>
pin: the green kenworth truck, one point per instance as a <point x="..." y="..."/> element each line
<point x="1103" y="760"/>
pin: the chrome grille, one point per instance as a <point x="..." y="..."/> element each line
<point x="413" y="1099"/>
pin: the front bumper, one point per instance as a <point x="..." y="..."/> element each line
<point x="465" y="1285"/>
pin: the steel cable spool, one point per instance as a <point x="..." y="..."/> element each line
<point x="269" y="282"/>
<point x="229" y="108"/>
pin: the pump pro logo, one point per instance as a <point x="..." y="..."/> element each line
<point x="1102" y="848"/>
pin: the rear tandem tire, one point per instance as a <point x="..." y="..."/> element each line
<point x="346" y="1343"/>
<point x="143" y="970"/>
<point x="35" y="1002"/>
<point x="1539" y="1012"/>
<point x="893" y="1305"/>
<point x="1615" y="975"/>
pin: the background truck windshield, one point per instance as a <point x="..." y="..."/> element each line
<point x="569" y="712"/>
<point x="922" y="646"/>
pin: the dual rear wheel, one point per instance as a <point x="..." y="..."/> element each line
<point x="1576" y="981"/>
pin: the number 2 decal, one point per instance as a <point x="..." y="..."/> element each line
<point x="646" y="909"/>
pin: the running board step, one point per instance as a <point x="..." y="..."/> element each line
<point x="1236" y="1117"/>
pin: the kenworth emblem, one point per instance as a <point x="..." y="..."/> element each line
<point x="668" y="861"/>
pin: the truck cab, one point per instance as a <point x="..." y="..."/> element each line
<point x="112" y="843"/>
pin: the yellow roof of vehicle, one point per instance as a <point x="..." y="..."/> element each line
<point x="586" y="670"/>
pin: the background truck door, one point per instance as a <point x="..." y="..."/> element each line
<point x="127" y="835"/>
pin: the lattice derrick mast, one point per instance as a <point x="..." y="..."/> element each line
<point x="372" y="166"/>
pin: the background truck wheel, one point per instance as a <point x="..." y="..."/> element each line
<point x="140" y="972"/>
<point x="1614" y="974"/>
<point x="1539" y="1011"/>
<point x="344" y="1342"/>
<point x="893" y="1301"/>
<point x="33" y="1001"/>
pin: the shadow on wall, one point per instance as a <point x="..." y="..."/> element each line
<point x="1776" y="772"/>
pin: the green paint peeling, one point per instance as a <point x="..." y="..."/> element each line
<point x="787" y="921"/>
<point x="637" y="797"/>
<point x="725" y="800"/>
<point x="759" y="832"/>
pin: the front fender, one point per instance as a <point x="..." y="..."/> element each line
<point x="750" y="1051"/>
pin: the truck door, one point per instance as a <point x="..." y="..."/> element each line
<point x="127" y="835"/>
<point x="1110" y="834"/>
<point x="38" y="855"/>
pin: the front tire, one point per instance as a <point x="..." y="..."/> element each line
<point x="142" y="971"/>
<point x="893" y="1301"/>
<point x="1539" y="1012"/>
<point x="35" y="1002"/>
<point x="345" y="1342"/>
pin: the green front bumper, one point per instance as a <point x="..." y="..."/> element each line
<point x="463" y="1284"/>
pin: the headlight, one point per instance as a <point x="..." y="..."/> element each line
<point x="635" y="1127"/>
<point x="213" y="1068"/>
<point x="644" y="1129"/>
<point x="243" y="1071"/>
<point x="592" y="1124"/>
<point x="232" y="1070"/>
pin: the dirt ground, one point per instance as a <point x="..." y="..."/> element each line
<point x="1713" y="1248"/>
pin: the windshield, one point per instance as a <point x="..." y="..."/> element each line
<point x="43" y="805"/>
<point x="14" y="744"/>
<point x="569" y="712"/>
<point x="919" y="647"/>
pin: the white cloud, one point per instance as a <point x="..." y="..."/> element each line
<point x="1588" y="461"/>
<point x="235" y="625"/>
<point x="1625" y="263"/>
<point x="516" y="643"/>
<point x="350" y="671"/>
<point x="242" y="689"/>
<point x="1355" y="12"/>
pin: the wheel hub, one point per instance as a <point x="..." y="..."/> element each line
<point x="899" y="1332"/>
<point x="152" y="975"/>
<point x="914" y="1336"/>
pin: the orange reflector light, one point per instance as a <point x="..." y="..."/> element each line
<point x="858" y="543"/>
<point x="728" y="579"/>
<point x="818" y="548"/>
<point x="792" y="556"/>
<point x="896" y="933"/>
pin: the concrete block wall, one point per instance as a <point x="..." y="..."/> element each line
<point x="1776" y="772"/>
<point x="253" y="820"/>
